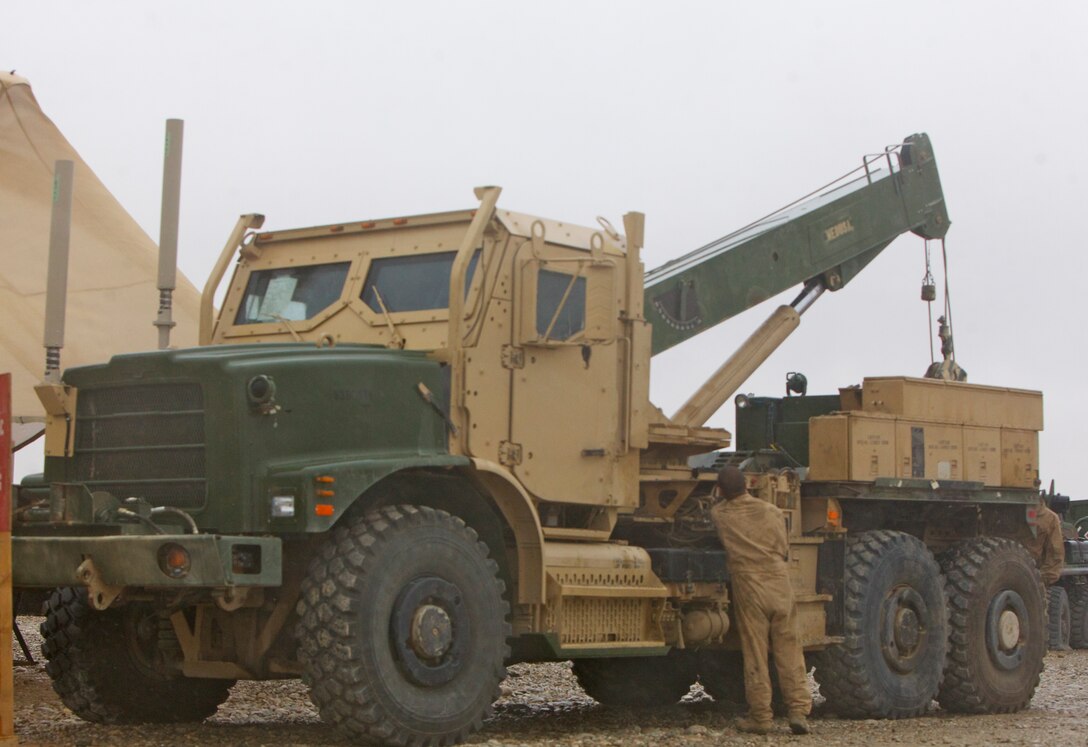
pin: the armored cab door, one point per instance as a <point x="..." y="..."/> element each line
<point x="567" y="397"/>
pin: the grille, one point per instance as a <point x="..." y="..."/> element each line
<point x="145" y="440"/>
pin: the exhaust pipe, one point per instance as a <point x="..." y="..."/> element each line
<point x="58" y="400"/>
<point x="56" y="293"/>
<point x="168" y="229"/>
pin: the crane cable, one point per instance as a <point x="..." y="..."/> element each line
<point x="929" y="288"/>
<point x="929" y="295"/>
<point x="947" y="298"/>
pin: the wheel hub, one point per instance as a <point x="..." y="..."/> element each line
<point x="902" y="621"/>
<point x="1007" y="629"/>
<point x="907" y="630"/>
<point x="430" y="630"/>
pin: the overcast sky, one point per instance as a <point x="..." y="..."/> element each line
<point x="702" y="115"/>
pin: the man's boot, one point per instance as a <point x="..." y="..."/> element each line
<point x="799" y="724"/>
<point x="750" y="726"/>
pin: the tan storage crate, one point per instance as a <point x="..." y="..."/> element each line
<point x="851" y="446"/>
<point x="850" y="398"/>
<point x="952" y="402"/>
<point x="982" y="455"/>
<point x="859" y="446"/>
<point x="1019" y="458"/>
<point x="932" y="451"/>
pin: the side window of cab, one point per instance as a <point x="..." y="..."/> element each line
<point x="560" y="305"/>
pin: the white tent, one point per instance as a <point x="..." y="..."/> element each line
<point x="112" y="294"/>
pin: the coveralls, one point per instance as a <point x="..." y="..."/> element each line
<point x="1047" y="546"/>
<point x="753" y="533"/>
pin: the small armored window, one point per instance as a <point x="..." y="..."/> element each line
<point x="415" y="283"/>
<point x="293" y="294"/>
<point x="560" y="305"/>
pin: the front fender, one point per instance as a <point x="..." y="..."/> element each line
<point x="325" y="492"/>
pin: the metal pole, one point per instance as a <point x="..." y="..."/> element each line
<point x="7" y="618"/>
<point x="56" y="295"/>
<point x="168" y="229"/>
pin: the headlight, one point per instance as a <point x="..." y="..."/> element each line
<point x="283" y="506"/>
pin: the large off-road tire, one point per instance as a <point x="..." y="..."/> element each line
<point x="1058" y="619"/>
<point x="997" y="627"/>
<point x="637" y="681"/>
<point x="403" y="628"/>
<point x="1078" y="615"/>
<point x="108" y="667"/>
<point x="896" y="630"/>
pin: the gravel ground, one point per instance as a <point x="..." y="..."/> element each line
<point x="543" y="705"/>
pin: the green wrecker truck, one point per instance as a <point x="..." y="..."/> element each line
<point x="412" y="451"/>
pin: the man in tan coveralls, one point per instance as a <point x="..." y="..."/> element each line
<point x="1047" y="546"/>
<point x="753" y="533"/>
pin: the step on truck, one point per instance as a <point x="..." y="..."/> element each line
<point x="412" y="451"/>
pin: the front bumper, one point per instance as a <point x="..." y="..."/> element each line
<point x="216" y="560"/>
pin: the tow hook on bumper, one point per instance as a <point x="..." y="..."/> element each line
<point x="100" y="594"/>
<point x="106" y="565"/>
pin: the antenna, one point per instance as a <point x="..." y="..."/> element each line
<point x="168" y="229"/>
<point x="56" y="296"/>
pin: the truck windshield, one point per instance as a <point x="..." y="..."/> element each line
<point x="415" y="283"/>
<point x="291" y="293"/>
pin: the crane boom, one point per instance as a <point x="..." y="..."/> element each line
<point x="829" y="238"/>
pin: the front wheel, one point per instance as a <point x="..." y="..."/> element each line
<point x="116" y="666"/>
<point x="402" y="628"/>
<point x="998" y="629"/>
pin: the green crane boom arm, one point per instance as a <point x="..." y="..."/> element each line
<point x="826" y="240"/>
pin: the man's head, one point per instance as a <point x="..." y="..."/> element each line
<point x="731" y="483"/>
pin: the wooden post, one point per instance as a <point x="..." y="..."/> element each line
<point x="7" y="694"/>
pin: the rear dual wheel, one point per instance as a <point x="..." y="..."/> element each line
<point x="895" y="630"/>
<point x="1058" y="619"/>
<point x="1078" y="614"/>
<point x="998" y="629"/>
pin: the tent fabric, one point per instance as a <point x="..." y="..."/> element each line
<point x="113" y="264"/>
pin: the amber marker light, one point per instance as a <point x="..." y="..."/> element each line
<point x="324" y="509"/>
<point x="326" y="491"/>
<point x="399" y="221"/>
<point x="174" y="560"/>
<point x="368" y="224"/>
